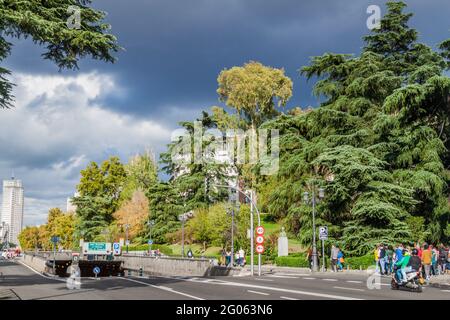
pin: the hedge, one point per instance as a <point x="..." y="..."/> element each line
<point x="292" y="261"/>
<point x="299" y="260"/>
<point x="164" y="249"/>
<point x="355" y="262"/>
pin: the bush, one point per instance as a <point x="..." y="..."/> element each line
<point x="292" y="261"/>
<point x="355" y="262"/>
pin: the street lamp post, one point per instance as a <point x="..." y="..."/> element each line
<point x="126" y="235"/>
<point x="150" y="223"/>
<point x="315" y="265"/>
<point x="253" y="205"/>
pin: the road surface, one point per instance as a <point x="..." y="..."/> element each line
<point x="18" y="281"/>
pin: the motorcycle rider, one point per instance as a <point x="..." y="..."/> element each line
<point x="402" y="266"/>
<point x="415" y="262"/>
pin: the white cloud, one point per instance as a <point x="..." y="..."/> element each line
<point x="57" y="127"/>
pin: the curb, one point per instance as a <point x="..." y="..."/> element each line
<point x="440" y="285"/>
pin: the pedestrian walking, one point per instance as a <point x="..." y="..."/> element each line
<point x="340" y="259"/>
<point x="309" y="258"/>
<point x="381" y="255"/>
<point x="443" y="254"/>
<point x="334" y="258"/>
<point x="389" y="259"/>
<point x="375" y="257"/>
<point x="426" y="261"/>
<point x="242" y="257"/>
<point x="434" y="261"/>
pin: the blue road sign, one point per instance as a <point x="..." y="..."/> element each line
<point x="55" y="239"/>
<point x="96" y="270"/>
<point x="150" y="241"/>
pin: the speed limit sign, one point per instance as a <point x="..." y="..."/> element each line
<point x="259" y="248"/>
<point x="260" y="230"/>
<point x="259" y="239"/>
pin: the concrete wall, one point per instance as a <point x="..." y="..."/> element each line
<point x="175" y="266"/>
<point x="35" y="262"/>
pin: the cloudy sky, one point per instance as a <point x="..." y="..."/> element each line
<point x="173" y="53"/>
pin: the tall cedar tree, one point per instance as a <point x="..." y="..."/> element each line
<point x="381" y="133"/>
<point x="45" y="22"/>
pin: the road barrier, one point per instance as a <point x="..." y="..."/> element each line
<point x="170" y="266"/>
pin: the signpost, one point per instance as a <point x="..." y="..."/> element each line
<point x="102" y="248"/>
<point x="260" y="241"/>
<point x="116" y="248"/>
<point x="55" y="240"/>
<point x="323" y="235"/>
<point x="96" y="271"/>
<point x="150" y="242"/>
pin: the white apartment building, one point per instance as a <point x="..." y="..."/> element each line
<point x="12" y="209"/>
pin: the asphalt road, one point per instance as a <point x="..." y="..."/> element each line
<point x="19" y="281"/>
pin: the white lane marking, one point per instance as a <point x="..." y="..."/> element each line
<point x="309" y="278"/>
<point x="385" y="284"/>
<point x="258" y="279"/>
<point x="288" y="298"/>
<point x="353" y="281"/>
<point x="254" y="286"/>
<point x="42" y="275"/>
<point x="307" y="293"/>
<point x="344" y="288"/>
<point x="257" y="292"/>
<point x="445" y="290"/>
<point x="293" y="274"/>
<point x="329" y="279"/>
<point x="164" y="288"/>
<point x="283" y="277"/>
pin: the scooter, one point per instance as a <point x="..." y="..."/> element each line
<point x="412" y="281"/>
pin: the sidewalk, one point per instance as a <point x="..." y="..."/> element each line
<point x="268" y="269"/>
<point x="442" y="281"/>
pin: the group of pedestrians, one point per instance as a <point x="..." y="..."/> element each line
<point x="434" y="260"/>
<point x="239" y="258"/>
<point x="336" y="256"/>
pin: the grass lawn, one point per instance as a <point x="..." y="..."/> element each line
<point x="196" y="249"/>
<point x="271" y="227"/>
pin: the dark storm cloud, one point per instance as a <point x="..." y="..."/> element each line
<point x="175" y="49"/>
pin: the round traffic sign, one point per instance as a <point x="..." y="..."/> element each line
<point x="260" y="230"/>
<point x="259" y="248"/>
<point x="96" y="270"/>
<point x="259" y="239"/>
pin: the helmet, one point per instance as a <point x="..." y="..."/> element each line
<point x="414" y="252"/>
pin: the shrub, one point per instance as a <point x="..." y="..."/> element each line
<point x="355" y="262"/>
<point x="292" y="261"/>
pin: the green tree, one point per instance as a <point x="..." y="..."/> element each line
<point x="141" y="173"/>
<point x="45" y="22"/>
<point x="195" y="178"/>
<point x="164" y="207"/>
<point x="254" y="90"/>
<point x="378" y="134"/>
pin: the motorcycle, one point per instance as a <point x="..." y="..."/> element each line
<point x="413" y="281"/>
